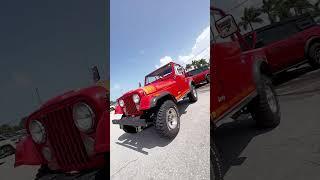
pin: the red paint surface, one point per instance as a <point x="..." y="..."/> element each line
<point x="60" y="142"/>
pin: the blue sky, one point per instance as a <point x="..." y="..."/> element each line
<point x="148" y="33"/>
<point x="49" y="45"/>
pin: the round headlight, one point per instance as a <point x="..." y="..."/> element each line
<point x="136" y="98"/>
<point x="47" y="153"/>
<point x="121" y="103"/>
<point x="37" y="131"/>
<point x="83" y="117"/>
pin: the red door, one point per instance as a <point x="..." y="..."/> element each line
<point x="181" y="81"/>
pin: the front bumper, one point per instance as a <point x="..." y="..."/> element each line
<point x="131" y="121"/>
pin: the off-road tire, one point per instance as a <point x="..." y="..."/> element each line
<point x="193" y="95"/>
<point x="42" y="171"/>
<point x="208" y="78"/>
<point x="314" y="55"/>
<point x="215" y="164"/>
<point x="260" y="107"/>
<point x="160" y="121"/>
<point x="129" y="129"/>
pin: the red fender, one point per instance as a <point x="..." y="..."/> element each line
<point x="118" y="110"/>
<point x="27" y="154"/>
<point x="102" y="143"/>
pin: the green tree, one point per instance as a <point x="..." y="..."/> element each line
<point x="203" y="62"/>
<point x="315" y="7"/>
<point x="250" y="16"/>
<point x="197" y="64"/>
<point x="188" y="66"/>
<point x="268" y="7"/>
<point x="299" y="6"/>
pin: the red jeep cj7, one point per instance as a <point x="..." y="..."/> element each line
<point x="240" y="82"/>
<point x="156" y="102"/>
<point x="69" y="136"/>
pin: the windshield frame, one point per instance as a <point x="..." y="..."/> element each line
<point x="154" y="72"/>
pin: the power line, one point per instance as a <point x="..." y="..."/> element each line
<point x="198" y="53"/>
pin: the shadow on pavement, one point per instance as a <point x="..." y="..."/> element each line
<point x="232" y="138"/>
<point x="183" y="105"/>
<point x="148" y="138"/>
<point x="290" y="75"/>
<point x="202" y="84"/>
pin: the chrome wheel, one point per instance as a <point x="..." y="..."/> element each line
<point x="272" y="101"/>
<point x="172" y="118"/>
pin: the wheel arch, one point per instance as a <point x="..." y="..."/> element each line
<point x="192" y="83"/>
<point x="261" y="67"/>
<point x="309" y="43"/>
<point x="156" y="101"/>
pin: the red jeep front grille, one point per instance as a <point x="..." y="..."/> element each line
<point x="130" y="106"/>
<point x="65" y="139"/>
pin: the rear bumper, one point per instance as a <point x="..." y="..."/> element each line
<point x="131" y="121"/>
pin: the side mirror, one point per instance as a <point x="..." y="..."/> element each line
<point x="139" y="84"/>
<point x="226" y="26"/>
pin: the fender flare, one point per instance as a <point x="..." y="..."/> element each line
<point x="155" y="100"/>
<point x="27" y="153"/>
<point x="260" y="66"/>
<point x="309" y="43"/>
<point x="191" y="82"/>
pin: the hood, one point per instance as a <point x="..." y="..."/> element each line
<point x="73" y="93"/>
<point x="151" y="88"/>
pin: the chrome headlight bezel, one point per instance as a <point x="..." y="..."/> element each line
<point x="136" y="98"/>
<point x="81" y="123"/>
<point x="121" y="103"/>
<point x="40" y="131"/>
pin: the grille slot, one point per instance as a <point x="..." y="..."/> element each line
<point x="130" y="106"/>
<point x="65" y="139"/>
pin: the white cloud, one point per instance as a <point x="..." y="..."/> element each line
<point x="164" y="60"/>
<point x="116" y="87"/>
<point x="141" y="52"/>
<point x="200" y="49"/>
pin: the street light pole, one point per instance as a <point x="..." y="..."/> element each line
<point x="38" y="96"/>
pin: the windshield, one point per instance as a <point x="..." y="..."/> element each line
<point x="159" y="74"/>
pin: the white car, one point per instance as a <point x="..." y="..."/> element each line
<point x="7" y="147"/>
<point x="112" y="108"/>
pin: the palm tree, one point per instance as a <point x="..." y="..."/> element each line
<point x="268" y="7"/>
<point x="250" y="16"/>
<point x="282" y="9"/>
<point x="188" y="66"/>
<point x="316" y="7"/>
<point x="298" y="6"/>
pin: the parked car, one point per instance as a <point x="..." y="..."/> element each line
<point x="68" y="136"/>
<point x="112" y="108"/>
<point x="288" y="43"/>
<point x="200" y="75"/>
<point x="241" y="82"/>
<point x="156" y="102"/>
<point x="7" y="147"/>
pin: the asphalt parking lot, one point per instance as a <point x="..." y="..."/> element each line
<point x="147" y="156"/>
<point x="289" y="151"/>
<point x="7" y="172"/>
